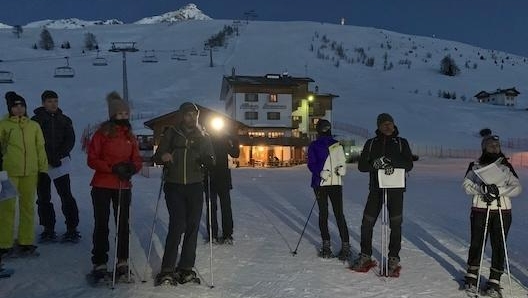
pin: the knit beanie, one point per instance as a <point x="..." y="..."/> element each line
<point x="487" y="138"/>
<point x="13" y="99"/>
<point x="384" y="117"/>
<point x="48" y="94"/>
<point x="116" y="104"/>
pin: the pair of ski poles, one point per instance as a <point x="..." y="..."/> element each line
<point x="486" y="223"/>
<point x="116" y="237"/>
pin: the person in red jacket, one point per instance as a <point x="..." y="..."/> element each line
<point x="113" y="153"/>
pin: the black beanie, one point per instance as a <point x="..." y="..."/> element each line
<point x="384" y="117"/>
<point x="324" y="127"/>
<point x="48" y="94"/>
<point x="13" y="99"/>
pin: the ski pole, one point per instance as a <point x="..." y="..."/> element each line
<point x="483" y="245"/>
<point x="304" y="228"/>
<point x="208" y="194"/>
<point x="129" y="220"/>
<point x="153" y="226"/>
<point x="505" y="249"/>
<point x="384" y="236"/>
<point x="116" y="233"/>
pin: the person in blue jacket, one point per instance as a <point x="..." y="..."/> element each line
<point x="326" y="161"/>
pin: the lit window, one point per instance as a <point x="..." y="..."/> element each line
<point x="273" y="115"/>
<point x="273" y="98"/>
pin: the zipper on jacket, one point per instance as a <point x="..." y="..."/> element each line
<point x="185" y="162"/>
<point x="23" y="145"/>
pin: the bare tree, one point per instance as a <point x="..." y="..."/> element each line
<point x="17" y="30"/>
<point x="46" y="41"/>
<point x="90" y="42"/>
<point x="448" y="66"/>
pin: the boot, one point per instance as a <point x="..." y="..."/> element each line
<point x="325" y="251"/>
<point x="344" y="253"/>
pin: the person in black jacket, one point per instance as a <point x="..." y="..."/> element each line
<point x="185" y="151"/>
<point x="220" y="184"/>
<point x="60" y="139"/>
<point x="385" y="151"/>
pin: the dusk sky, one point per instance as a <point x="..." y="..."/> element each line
<point x="490" y="24"/>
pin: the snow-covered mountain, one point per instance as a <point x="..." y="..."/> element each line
<point x="3" y="26"/>
<point x="188" y="12"/>
<point x="70" y="23"/>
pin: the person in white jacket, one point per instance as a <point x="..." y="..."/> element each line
<point x="326" y="161"/>
<point x="496" y="197"/>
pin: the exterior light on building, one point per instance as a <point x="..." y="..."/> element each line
<point x="310" y="98"/>
<point x="217" y="123"/>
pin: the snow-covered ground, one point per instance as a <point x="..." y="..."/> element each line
<point x="270" y="208"/>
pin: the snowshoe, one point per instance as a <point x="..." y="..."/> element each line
<point x="227" y="240"/>
<point x="48" y="236"/>
<point x="99" y="276"/>
<point x="5" y="273"/>
<point x="344" y="253"/>
<point x="165" y="279"/>
<point x="122" y="273"/>
<point x="493" y="291"/>
<point x="185" y="276"/>
<point x="394" y="267"/>
<point x="25" y="251"/>
<point x="325" y="252"/>
<point x="363" y="263"/>
<point x="72" y="236"/>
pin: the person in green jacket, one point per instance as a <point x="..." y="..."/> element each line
<point x="24" y="156"/>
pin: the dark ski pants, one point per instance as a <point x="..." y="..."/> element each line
<point x="225" y="209"/>
<point x="101" y="199"/>
<point x="478" y="221"/>
<point x="184" y="203"/>
<point x="371" y="213"/>
<point x="46" y="211"/>
<point x="335" y="194"/>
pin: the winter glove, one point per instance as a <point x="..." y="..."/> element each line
<point x="389" y="169"/>
<point x="124" y="170"/>
<point x="55" y="162"/>
<point x="340" y="171"/>
<point x="381" y="163"/>
<point x="490" y="192"/>
<point x="325" y="175"/>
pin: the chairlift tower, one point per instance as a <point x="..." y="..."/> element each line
<point x="124" y="47"/>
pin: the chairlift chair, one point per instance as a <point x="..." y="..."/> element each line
<point x="149" y="58"/>
<point x="6" y="77"/>
<point x="99" y="61"/>
<point x="64" y="71"/>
